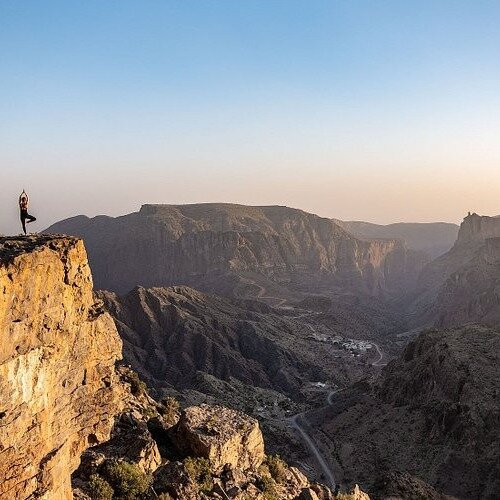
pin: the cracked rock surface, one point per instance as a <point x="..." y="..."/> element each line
<point x="57" y="357"/>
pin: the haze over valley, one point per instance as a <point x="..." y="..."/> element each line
<point x="290" y="317"/>
<point x="250" y="250"/>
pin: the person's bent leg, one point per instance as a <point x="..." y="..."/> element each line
<point x="30" y="218"/>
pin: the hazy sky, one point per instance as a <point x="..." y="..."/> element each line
<point x="376" y="110"/>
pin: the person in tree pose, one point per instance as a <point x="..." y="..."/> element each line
<point x="23" y="206"/>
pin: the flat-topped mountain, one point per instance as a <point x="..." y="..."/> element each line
<point x="228" y="248"/>
<point x="434" y="238"/>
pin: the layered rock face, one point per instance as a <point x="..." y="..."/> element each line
<point x="434" y="414"/>
<point x="214" y="247"/>
<point x="462" y="285"/>
<point x="57" y="356"/>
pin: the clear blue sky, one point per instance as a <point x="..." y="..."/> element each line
<point x="374" y="110"/>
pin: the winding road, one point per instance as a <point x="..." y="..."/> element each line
<point x="294" y="421"/>
<point x="378" y="362"/>
<point x="311" y="445"/>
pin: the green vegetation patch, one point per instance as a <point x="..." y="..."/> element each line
<point x="199" y="471"/>
<point x="277" y="468"/>
<point x="128" y="480"/>
<point x="99" y="488"/>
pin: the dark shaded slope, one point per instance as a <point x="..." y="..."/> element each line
<point x="172" y="334"/>
<point x="435" y="414"/>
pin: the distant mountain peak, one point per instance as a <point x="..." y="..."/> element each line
<point x="478" y="228"/>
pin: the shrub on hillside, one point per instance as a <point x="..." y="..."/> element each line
<point x="277" y="468"/>
<point x="137" y="386"/>
<point x="198" y="469"/>
<point x="267" y="485"/>
<point x="171" y="408"/>
<point x="99" y="488"/>
<point x="128" y="480"/>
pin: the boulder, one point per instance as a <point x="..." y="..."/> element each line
<point x="308" y="494"/>
<point x="134" y="444"/>
<point x="223" y="436"/>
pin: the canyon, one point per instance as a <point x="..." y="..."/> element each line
<point x="233" y="249"/>
<point x="76" y="423"/>
<point x="357" y="360"/>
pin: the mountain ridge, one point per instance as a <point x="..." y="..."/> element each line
<point x="214" y="247"/>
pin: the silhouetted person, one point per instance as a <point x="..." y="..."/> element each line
<point x="23" y="206"/>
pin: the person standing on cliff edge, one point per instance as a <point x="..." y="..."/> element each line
<point x="23" y="206"/>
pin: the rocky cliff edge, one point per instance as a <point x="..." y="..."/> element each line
<point x="57" y="357"/>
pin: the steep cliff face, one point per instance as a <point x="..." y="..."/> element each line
<point x="478" y="228"/>
<point x="472" y="293"/>
<point x="57" y="380"/>
<point x="463" y="285"/>
<point x="215" y="247"/>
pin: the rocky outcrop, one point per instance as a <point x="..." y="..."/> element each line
<point x="210" y="452"/>
<point x="224" y="437"/>
<point x="477" y="229"/>
<point x="217" y="247"/>
<point x="57" y="380"/>
<point x="131" y="442"/>
<point x="434" y="414"/>
<point x="463" y="285"/>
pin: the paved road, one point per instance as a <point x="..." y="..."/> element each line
<point x="378" y="362"/>
<point x="323" y="464"/>
<point x="295" y="423"/>
<point x="330" y="479"/>
<point x="261" y="295"/>
<point x="295" y="420"/>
